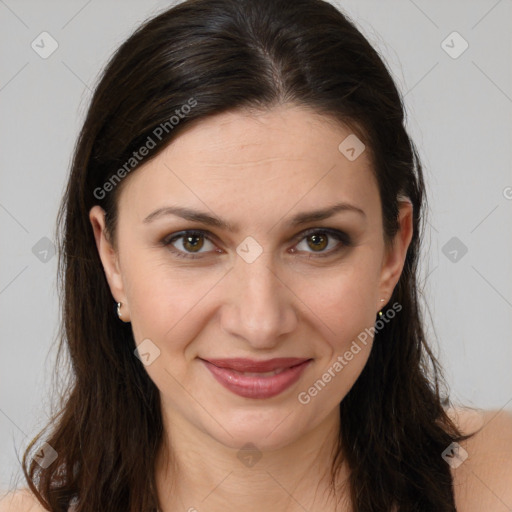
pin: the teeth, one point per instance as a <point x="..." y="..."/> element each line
<point x="266" y="374"/>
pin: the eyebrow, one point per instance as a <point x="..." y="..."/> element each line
<point x="211" y="220"/>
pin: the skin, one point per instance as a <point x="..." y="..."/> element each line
<point x="481" y="482"/>
<point x="255" y="170"/>
<point x="282" y="304"/>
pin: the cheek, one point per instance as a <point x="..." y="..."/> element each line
<point x="167" y="304"/>
<point x="169" y="308"/>
<point x="341" y="302"/>
<point x="344" y="306"/>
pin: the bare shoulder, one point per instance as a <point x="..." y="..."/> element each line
<point x="21" y="500"/>
<point x="482" y="465"/>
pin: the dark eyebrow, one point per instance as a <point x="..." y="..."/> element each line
<point x="211" y="220"/>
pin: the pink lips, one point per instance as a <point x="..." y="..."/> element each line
<point x="229" y="373"/>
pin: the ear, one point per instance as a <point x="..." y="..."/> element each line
<point x="109" y="258"/>
<point x="394" y="257"/>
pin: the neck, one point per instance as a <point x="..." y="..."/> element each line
<point x="199" y="473"/>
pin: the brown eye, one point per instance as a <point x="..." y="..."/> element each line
<point x="193" y="243"/>
<point x="318" y="241"/>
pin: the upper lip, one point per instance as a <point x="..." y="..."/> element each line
<point x="251" y="365"/>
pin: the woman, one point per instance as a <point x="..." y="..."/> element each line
<point x="239" y="245"/>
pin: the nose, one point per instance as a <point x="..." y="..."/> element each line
<point x="260" y="306"/>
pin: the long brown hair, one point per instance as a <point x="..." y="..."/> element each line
<point x="218" y="56"/>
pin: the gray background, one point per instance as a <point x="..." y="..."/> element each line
<point x="458" y="114"/>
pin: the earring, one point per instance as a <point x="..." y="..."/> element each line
<point x="380" y="312"/>
<point x="119" y="304"/>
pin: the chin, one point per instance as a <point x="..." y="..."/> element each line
<point x="267" y="430"/>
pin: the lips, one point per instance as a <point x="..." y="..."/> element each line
<point x="257" y="379"/>
<point x="250" y="365"/>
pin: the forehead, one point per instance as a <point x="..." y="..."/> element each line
<point x="249" y="137"/>
<point x="247" y="161"/>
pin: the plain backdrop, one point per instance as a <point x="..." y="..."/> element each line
<point x="459" y="104"/>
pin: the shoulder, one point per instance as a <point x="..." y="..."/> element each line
<point x="482" y="466"/>
<point x="21" y="500"/>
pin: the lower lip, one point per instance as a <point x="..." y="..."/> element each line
<point x="257" y="387"/>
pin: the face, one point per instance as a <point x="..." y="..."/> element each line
<point x="262" y="286"/>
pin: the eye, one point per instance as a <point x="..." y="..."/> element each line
<point x="318" y="240"/>
<point x="190" y="241"/>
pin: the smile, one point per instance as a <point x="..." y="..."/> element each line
<point x="257" y="384"/>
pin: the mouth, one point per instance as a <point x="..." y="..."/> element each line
<point x="257" y="379"/>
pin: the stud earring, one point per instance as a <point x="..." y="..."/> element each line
<point x="380" y="312"/>
<point x="119" y="304"/>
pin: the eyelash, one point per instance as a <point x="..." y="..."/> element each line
<point x="338" y="235"/>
